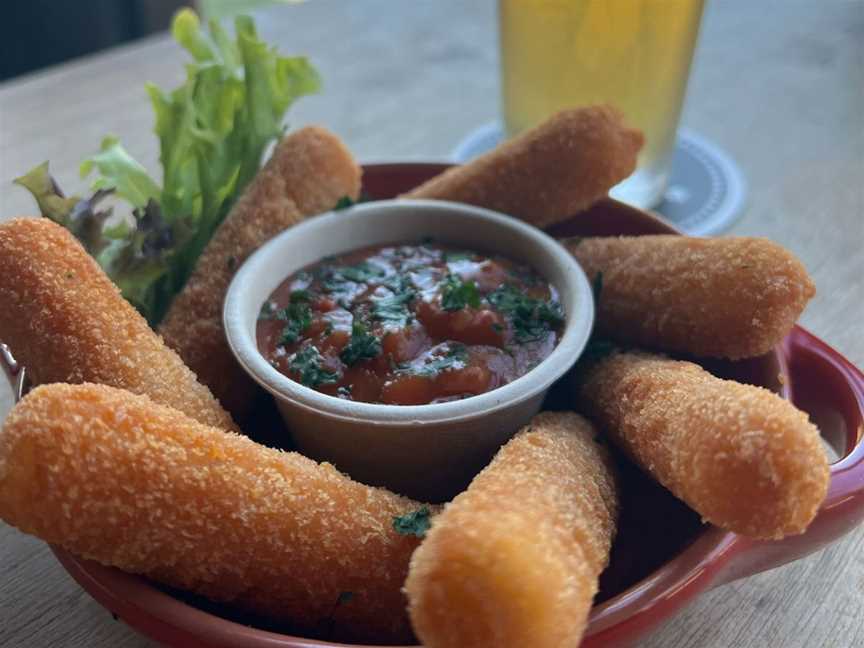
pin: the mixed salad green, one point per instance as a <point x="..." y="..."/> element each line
<point x="213" y="131"/>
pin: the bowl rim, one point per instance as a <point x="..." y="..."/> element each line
<point x="577" y="328"/>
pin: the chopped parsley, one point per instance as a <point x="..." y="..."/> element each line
<point x="268" y="311"/>
<point x="300" y="296"/>
<point x="362" y="272"/>
<point x="456" y="293"/>
<point x="362" y="346"/>
<point x="456" y="357"/>
<point x="453" y="257"/>
<point x="531" y="318"/>
<point x="394" y="308"/>
<point x="415" y="523"/>
<point x="396" y="283"/>
<point x="307" y="364"/>
<point x="343" y="203"/>
<point x="298" y="317"/>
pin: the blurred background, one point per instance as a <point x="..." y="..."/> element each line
<point x="39" y="33"/>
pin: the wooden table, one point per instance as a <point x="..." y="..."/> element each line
<point x="779" y="84"/>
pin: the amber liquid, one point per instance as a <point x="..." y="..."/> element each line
<point x="634" y="54"/>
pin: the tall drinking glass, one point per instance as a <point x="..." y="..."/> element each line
<point x="633" y="54"/>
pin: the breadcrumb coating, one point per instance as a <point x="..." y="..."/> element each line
<point x="742" y="457"/>
<point x="732" y="297"/>
<point x="514" y="560"/>
<point x="309" y="171"/>
<point x="65" y="321"/>
<point x="114" y="477"/>
<point x="547" y="174"/>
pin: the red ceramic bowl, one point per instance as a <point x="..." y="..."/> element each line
<point x="663" y="556"/>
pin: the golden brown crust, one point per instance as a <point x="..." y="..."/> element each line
<point x="65" y="321"/>
<point x="116" y="478"/>
<point x="548" y="173"/>
<point x="309" y="171"/>
<point x="514" y="560"/>
<point x="741" y="456"/>
<point x="732" y="297"/>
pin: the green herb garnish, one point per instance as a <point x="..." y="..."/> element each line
<point x="531" y="318"/>
<point x="297" y="315"/>
<point x="394" y="308"/>
<point x="415" y="523"/>
<point x="396" y="283"/>
<point x="452" y="257"/>
<point x="456" y="293"/>
<point x="456" y="357"/>
<point x="362" y="346"/>
<point x="213" y="130"/>
<point x="268" y="311"/>
<point x="307" y="364"/>
<point x="343" y="203"/>
<point x="300" y="296"/>
<point x="361" y="273"/>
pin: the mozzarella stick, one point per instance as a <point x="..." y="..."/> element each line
<point x="116" y="478"/>
<point x="514" y="560"/>
<point x="742" y="457"/>
<point x="732" y="297"/>
<point x="65" y="321"/>
<point x="547" y="174"/>
<point x="309" y="171"/>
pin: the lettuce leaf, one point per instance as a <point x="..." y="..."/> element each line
<point x="120" y="172"/>
<point x="51" y="201"/>
<point x="213" y="131"/>
<point x="135" y="252"/>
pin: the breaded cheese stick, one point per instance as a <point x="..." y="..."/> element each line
<point x="65" y="321"/>
<point x="732" y="297"/>
<point x="739" y="455"/>
<point x="114" y="477"/>
<point x="309" y="171"/>
<point x="548" y="173"/>
<point x="514" y="560"/>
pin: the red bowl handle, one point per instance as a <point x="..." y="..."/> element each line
<point x="831" y="390"/>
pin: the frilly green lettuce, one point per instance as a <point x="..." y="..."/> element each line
<point x="213" y="131"/>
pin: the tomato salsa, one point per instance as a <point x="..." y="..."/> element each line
<point x="409" y="324"/>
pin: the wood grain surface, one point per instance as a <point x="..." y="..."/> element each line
<point x="779" y="85"/>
